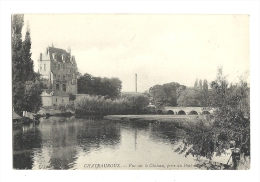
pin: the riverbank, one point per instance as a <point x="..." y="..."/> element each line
<point x="154" y="118"/>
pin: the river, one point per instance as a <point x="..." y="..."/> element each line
<point x="70" y="143"/>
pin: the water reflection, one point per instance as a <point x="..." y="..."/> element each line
<point x="69" y="143"/>
<point x="166" y="133"/>
<point x="97" y="134"/>
<point x="25" y="140"/>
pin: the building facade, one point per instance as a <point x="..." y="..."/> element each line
<point x="50" y="98"/>
<point x="59" y="69"/>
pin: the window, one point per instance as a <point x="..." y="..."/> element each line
<point x="64" y="66"/>
<point x="44" y="67"/>
<point x="40" y="67"/>
<point x="58" y="66"/>
<point x="55" y="66"/>
<point x="54" y="75"/>
<point x="56" y="99"/>
<point x="57" y="87"/>
<point x="64" y="87"/>
<point x="63" y="77"/>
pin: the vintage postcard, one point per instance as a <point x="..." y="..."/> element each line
<point x="130" y="91"/>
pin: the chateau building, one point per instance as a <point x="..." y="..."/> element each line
<point x="58" y="67"/>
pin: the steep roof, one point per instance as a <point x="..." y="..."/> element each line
<point x="48" y="55"/>
<point x="59" y="53"/>
<point x="56" y="50"/>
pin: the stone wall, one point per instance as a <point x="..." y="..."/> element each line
<point x="60" y="100"/>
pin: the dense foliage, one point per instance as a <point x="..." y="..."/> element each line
<point x="109" y="87"/>
<point x="174" y="94"/>
<point x="99" y="104"/>
<point x="197" y="96"/>
<point x="231" y="120"/>
<point x="164" y="95"/>
<point x="25" y="87"/>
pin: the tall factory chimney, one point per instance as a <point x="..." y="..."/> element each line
<point x="136" y="83"/>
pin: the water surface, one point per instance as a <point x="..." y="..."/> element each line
<point x="70" y="143"/>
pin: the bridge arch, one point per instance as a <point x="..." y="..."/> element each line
<point x="193" y="113"/>
<point x="205" y="112"/>
<point x="159" y="112"/>
<point x="170" y="112"/>
<point x="181" y="112"/>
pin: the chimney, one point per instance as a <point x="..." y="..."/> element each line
<point x="69" y="50"/>
<point x="135" y="83"/>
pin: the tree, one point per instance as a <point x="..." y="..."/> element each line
<point x="231" y="119"/>
<point x="115" y="89"/>
<point x="205" y="93"/>
<point x="200" y="84"/>
<point x="165" y="94"/>
<point x="170" y="93"/>
<point x="43" y="82"/>
<point x="233" y="103"/>
<point x="110" y="87"/>
<point x="205" y="85"/>
<point x="26" y="95"/>
<point x="32" y="97"/>
<point x="196" y="83"/>
<point x="190" y="98"/>
<point x="27" y="66"/>
<point x="85" y="84"/>
<point x="157" y="94"/>
<point x="72" y="97"/>
<point x="17" y="25"/>
<point x="180" y="90"/>
<point x="18" y="96"/>
<point x="138" y="102"/>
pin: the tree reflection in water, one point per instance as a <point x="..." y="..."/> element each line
<point x="58" y="140"/>
<point x="166" y="132"/>
<point x="25" y="140"/>
<point x="69" y="143"/>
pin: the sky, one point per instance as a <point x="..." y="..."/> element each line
<point x="159" y="48"/>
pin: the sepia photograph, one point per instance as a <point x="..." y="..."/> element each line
<point x="130" y="92"/>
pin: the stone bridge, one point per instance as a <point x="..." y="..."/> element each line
<point x="185" y="110"/>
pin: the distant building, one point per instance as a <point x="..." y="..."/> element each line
<point x="58" y="67"/>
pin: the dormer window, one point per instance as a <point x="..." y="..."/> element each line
<point x="63" y="58"/>
<point x="54" y="55"/>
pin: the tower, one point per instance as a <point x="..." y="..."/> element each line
<point x="59" y="67"/>
<point x="136" y="83"/>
